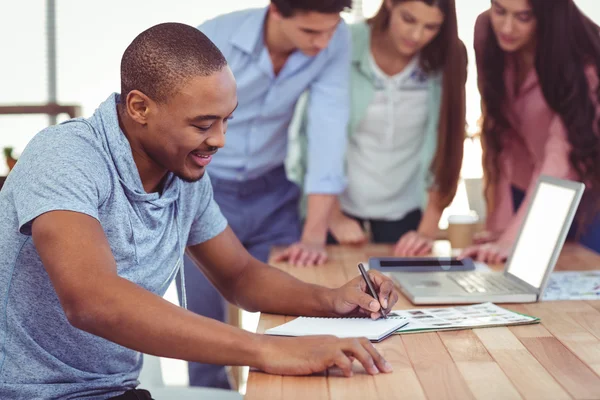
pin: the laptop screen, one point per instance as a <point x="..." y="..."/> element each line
<point x="540" y="232"/>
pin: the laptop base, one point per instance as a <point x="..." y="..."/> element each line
<point x="439" y="288"/>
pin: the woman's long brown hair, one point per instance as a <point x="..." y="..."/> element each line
<point x="446" y="54"/>
<point x="567" y="41"/>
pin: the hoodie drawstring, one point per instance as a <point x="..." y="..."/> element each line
<point x="180" y="262"/>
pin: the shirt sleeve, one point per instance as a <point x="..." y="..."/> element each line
<point x="60" y="169"/>
<point x="328" y="114"/>
<point x="209" y="221"/>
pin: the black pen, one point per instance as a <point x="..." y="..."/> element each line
<point x="365" y="276"/>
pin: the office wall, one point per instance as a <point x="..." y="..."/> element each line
<point x="93" y="34"/>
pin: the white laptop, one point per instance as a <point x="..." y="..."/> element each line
<point x="529" y="265"/>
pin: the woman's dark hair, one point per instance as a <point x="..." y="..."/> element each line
<point x="287" y="8"/>
<point x="566" y="42"/>
<point x="445" y="53"/>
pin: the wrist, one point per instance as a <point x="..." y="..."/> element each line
<point x="336" y="214"/>
<point x="314" y="236"/>
<point x="428" y="233"/>
<point x="504" y="241"/>
<point x="326" y="300"/>
<point x="247" y="349"/>
<point x="262" y="348"/>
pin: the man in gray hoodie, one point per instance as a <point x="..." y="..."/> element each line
<point x="95" y="218"/>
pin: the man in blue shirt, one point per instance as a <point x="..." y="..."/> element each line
<point x="276" y="54"/>
<point x="95" y="218"/>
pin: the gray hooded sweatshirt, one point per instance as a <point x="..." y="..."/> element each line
<point x="86" y="166"/>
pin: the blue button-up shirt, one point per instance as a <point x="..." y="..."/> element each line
<point x="257" y="136"/>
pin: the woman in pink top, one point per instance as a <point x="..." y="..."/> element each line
<point x="538" y="64"/>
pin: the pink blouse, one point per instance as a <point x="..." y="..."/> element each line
<point x="536" y="144"/>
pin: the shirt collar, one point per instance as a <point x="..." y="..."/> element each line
<point x="364" y="61"/>
<point x="411" y="73"/>
<point x="361" y="48"/>
<point x="249" y="36"/>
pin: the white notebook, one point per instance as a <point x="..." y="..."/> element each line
<point x="375" y="331"/>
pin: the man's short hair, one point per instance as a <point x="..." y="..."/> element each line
<point x="287" y="8"/>
<point x="163" y="58"/>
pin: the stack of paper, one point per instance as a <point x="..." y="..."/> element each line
<point x="374" y="330"/>
<point x="463" y="317"/>
<point x="406" y="321"/>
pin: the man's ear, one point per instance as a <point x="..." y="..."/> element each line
<point x="275" y="13"/>
<point x="138" y="106"/>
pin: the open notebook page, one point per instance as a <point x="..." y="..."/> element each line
<point x="341" y="327"/>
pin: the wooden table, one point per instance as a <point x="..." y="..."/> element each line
<point x="557" y="359"/>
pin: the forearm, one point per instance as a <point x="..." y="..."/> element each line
<point x="140" y="320"/>
<point x="336" y="211"/>
<point x="320" y="207"/>
<point x="431" y="216"/>
<point x="509" y="235"/>
<point x="268" y="289"/>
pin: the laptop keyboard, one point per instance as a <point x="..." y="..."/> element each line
<point x="484" y="283"/>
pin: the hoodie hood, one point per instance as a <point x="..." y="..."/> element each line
<point x="106" y="121"/>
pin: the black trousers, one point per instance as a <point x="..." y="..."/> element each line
<point x="134" y="394"/>
<point x="387" y="231"/>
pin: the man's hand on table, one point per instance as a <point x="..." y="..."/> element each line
<point x="303" y="254"/>
<point x="313" y="354"/>
<point x="353" y="299"/>
<point x="308" y="355"/>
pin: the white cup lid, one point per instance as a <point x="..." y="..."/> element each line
<point x="463" y="219"/>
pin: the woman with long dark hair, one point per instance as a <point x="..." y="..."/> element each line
<point x="407" y="125"/>
<point x="538" y="64"/>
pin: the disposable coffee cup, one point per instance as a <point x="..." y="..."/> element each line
<point x="461" y="229"/>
